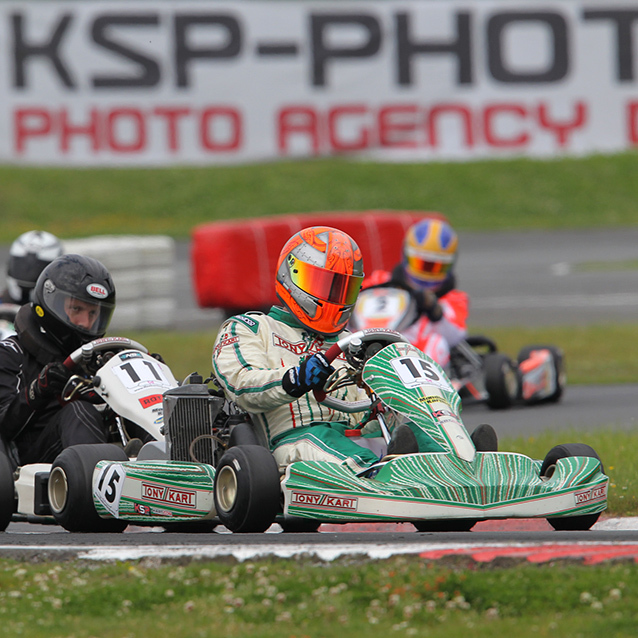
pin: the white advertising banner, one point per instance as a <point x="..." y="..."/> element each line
<point x="158" y="83"/>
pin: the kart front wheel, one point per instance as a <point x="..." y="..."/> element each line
<point x="501" y="380"/>
<point x="7" y="492"/>
<point x="247" y="490"/>
<point x="71" y="488"/>
<point x="569" y="523"/>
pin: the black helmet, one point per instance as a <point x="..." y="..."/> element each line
<point x="28" y="256"/>
<point x="74" y="299"/>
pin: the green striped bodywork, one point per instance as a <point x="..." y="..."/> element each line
<point x="423" y="486"/>
<point x="156" y="491"/>
<point x="420" y="402"/>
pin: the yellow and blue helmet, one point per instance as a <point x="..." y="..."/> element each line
<point x="429" y="253"/>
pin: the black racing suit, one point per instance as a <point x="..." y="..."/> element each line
<point x="38" y="436"/>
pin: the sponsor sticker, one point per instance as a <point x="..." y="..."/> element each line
<point x="125" y="356"/>
<point x="169" y="495"/>
<point x="247" y="321"/>
<point x="591" y="495"/>
<point x="324" y="501"/>
<point x="98" y="291"/>
<point x="149" y="401"/>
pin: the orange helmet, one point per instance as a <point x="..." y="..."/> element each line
<point x="319" y="274"/>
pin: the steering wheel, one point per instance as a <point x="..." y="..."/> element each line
<point x="85" y="353"/>
<point x="356" y="340"/>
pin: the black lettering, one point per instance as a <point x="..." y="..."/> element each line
<point x="322" y="53"/>
<point x="149" y="70"/>
<point x="22" y="50"/>
<point x="461" y="47"/>
<point x="558" y="66"/>
<point x="624" y="20"/>
<point x="184" y="53"/>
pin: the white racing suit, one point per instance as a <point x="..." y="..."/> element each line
<point x="251" y="354"/>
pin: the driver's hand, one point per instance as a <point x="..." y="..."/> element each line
<point x="431" y="306"/>
<point x="48" y="384"/>
<point x="310" y="374"/>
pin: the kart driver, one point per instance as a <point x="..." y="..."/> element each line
<point x="268" y="363"/>
<point x="74" y="299"/>
<point x="427" y="271"/>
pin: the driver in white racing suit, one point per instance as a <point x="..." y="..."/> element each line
<point x="267" y="364"/>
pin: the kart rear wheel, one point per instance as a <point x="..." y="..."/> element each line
<point x="559" y="369"/>
<point x="7" y="492"/>
<point x="446" y="525"/>
<point x="569" y="523"/>
<point x="247" y="489"/>
<point x="501" y="380"/>
<point x="71" y="488"/>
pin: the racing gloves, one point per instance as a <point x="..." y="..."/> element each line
<point x="430" y="305"/>
<point x="310" y="374"/>
<point x="48" y="384"/>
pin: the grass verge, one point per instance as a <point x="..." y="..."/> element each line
<point x="301" y="599"/>
<point x="585" y="192"/>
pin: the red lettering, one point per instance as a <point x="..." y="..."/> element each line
<point x="562" y="129"/>
<point x="229" y="121"/>
<point x="67" y="130"/>
<point x="298" y="121"/>
<point x="126" y="130"/>
<point x="397" y="125"/>
<point x="31" y="123"/>
<point x="490" y="115"/>
<point x="632" y="123"/>
<point x="172" y="116"/>
<point x="134" y="122"/>
<point x="360" y="142"/>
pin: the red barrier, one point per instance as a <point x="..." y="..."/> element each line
<point x="233" y="262"/>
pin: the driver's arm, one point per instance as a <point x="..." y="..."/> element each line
<point x="15" y="410"/>
<point x="246" y="367"/>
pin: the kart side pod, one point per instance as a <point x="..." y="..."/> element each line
<point x="154" y="491"/>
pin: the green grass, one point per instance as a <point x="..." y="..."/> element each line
<point x="564" y="193"/>
<point x="403" y="596"/>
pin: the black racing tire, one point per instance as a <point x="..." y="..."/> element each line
<point x="247" y="489"/>
<point x="445" y="525"/>
<point x="298" y="525"/>
<point x="71" y="489"/>
<point x="558" y="358"/>
<point x="502" y="382"/>
<point x="7" y="492"/>
<point x="569" y="523"/>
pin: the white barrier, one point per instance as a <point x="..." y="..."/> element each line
<point x="143" y="271"/>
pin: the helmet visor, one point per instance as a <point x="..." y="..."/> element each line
<point x="324" y="284"/>
<point x="89" y="318"/>
<point x="417" y="264"/>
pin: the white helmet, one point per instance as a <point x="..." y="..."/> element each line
<point x="29" y="255"/>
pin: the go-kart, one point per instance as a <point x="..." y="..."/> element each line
<point x="477" y="369"/>
<point x="241" y="486"/>
<point x="119" y="373"/>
